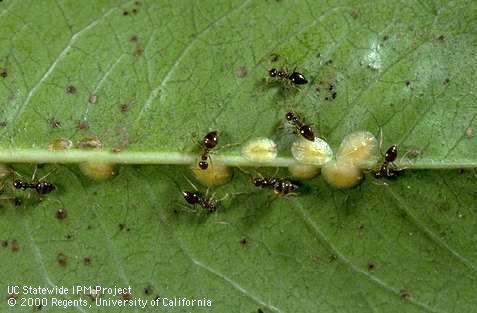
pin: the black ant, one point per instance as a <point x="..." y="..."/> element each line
<point x="388" y="169"/>
<point x="294" y="78"/>
<point x="280" y="186"/>
<point x="208" y="143"/>
<point x="197" y="198"/>
<point x="40" y="187"/>
<point x="209" y="204"/>
<point x="305" y="130"/>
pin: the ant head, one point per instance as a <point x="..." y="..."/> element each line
<point x="391" y="154"/>
<point x="307" y="132"/>
<point x="290" y="116"/>
<point x="273" y="72"/>
<point x="210" y="140"/>
<point x="258" y="181"/>
<point x="203" y="165"/>
<point x="18" y="184"/>
<point x="191" y="197"/>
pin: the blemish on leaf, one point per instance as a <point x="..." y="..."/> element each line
<point x="355" y="14"/>
<point x="134" y="11"/>
<point x="125" y="13"/>
<point x="139" y="49"/>
<point x="126" y="296"/>
<point x="385" y="37"/>
<point x="243" y="242"/>
<point x="87" y="260"/>
<point x="469" y="132"/>
<point x="61" y="214"/>
<point x="123" y="226"/>
<point x="83" y="125"/>
<point x="71" y="89"/>
<point x="3" y="72"/>
<point x="4" y="243"/>
<point x="124" y="108"/>
<point x="446" y="82"/>
<point x="93" y="99"/>
<point x="15" y="247"/>
<point x="241" y="72"/>
<point x="3" y="124"/>
<point x="404" y="294"/>
<point x="408" y="83"/>
<point x="69" y="236"/>
<point x="17" y="201"/>
<point x="62" y="259"/>
<point x="259" y="310"/>
<point x="148" y="290"/>
<point x="371" y="265"/>
<point x="12" y="296"/>
<point x="134" y="38"/>
<point x="441" y="38"/>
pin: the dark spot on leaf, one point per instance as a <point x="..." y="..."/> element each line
<point x="93" y="99"/>
<point x="134" y="38"/>
<point x="134" y="11"/>
<point x="259" y="310"/>
<point x="371" y="265"/>
<point x="125" y="13"/>
<point x="3" y="124"/>
<point x="62" y="259"/>
<point x="333" y="257"/>
<point x="385" y="37"/>
<point x="124" y="108"/>
<point x="4" y="243"/>
<point x="408" y="83"/>
<point x="461" y="171"/>
<point x="148" y="290"/>
<point x="83" y="125"/>
<point x="243" y="242"/>
<point x="274" y="57"/>
<point x="3" y="72"/>
<point x="441" y="38"/>
<point x="14" y="246"/>
<point x="446" y="81"/>
<point x="87" y="260"/>
<point x="334" y="94"/>
<point x="69" y="236"/>
<point x="39" y="307"/>
<point x="329" y="62"/>
<point x="327" y="98"/>
<point x="61" y="214"/>
<point x="404" y="294"/>
<point x="318" y="88"/>
<point x="157" y="298"/>
<point x="71" y="89"/>
<point x="355" y="14"/>
<point x="241" y="72"/>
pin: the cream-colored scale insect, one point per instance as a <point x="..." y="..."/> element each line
<point x="357" y="151"/>
<point x="260" y="149"/>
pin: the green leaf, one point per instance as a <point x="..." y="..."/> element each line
<point x="150" y="78"/>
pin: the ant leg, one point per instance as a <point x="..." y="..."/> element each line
<point x="44" y="177"/>
<point x="188" y="180"/>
